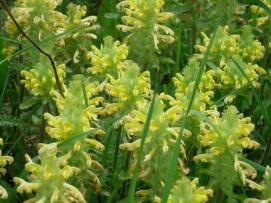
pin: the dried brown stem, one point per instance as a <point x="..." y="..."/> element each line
<point x="4" y="6"/>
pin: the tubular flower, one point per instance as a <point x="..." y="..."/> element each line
<point x="160" y="139"/>
<point x="184" y="84"/>
<point x="264" y="187"/>
<point x="234" y="131"/>
<point x="109" y="59"/>
<point x="76" y="109"/>
<point x="230" y="74"/>
<point x="225" y="141"/>
<point x="146" y="15"/>
<point x="36" y="17"/>
<point x="41" y="21"/>
<point x="48" y="179"/>
<point x="130" y="88"/>
<point x="77" y="115"/>
<point x="41" y="80"/>
<point x="4" y="160"/>
<point x="76" y="43"/>
<point x="186" y="190"/>
<point x="262" y="18"/>
<point x="243" y="48"/>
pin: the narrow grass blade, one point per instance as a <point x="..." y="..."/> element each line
<point x="12" y="40"/>
<point x="140" y="154"/>
<point x="116" y="152"/>
<point x="234" y="92"/>
<point x="255" y="165"/>
<point x="75" y="138"/>
<point x="172" y="167"/>
<point x="109" y="134"/>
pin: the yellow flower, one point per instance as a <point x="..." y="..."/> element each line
<point x="146" y="15"/>
<point x="41" y="80"/>
<point x="244" y="48"/>
<point x="128" y="89"/>
<point x="4" y="160"/>
<point x="49" y="178"/>
<point x="185" y="191"/>
<point x="38" y="18"/>
<point x="109" y="59"/>
<point x="160" y="139"/>
<point x="231" y="132"/>
<point x="74" y="113"/>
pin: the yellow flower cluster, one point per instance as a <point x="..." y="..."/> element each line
<point x="161" y="137"/>
<point x="120" y="78"/>
<point x="49" y="178"/>
<point x="79" y="29"/>
<point x="37" y="17"/>
<point x="4" y="160"/>
<point x="231" y="133"/>
<point x="41" y="80"/>
<point x="130" y="88"/>
<point x="77" y="115"/>
<point x="186" y="191"/>
<point x="146" y="15"/>
<point x="109" y="59"/>
<point x="183" y="191"/>
<point x="42" y="22"/>
<point x="262" y="17"/>
<point x="76" y="109"/>
<point x="264" y="187"/>
<point x="228" y="136"/>
<point x="242" y="48"/>
<point x="184" y="84"/>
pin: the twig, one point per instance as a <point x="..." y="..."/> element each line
<point x="3" y="5"/>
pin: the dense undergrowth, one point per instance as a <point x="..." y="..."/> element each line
<point x="135" y="101"/>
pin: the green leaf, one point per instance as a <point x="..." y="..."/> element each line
<point x="27" y="104"/>
<point x="255" y="165"/>
<point x="76" y="138"/>
<point x="7" y="121"/>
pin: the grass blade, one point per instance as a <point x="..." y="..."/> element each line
<point x="109" y="134"/>
<point x="255" y="165"/>
<point x="75" y="138"/>
<point x="143" y="137"/>
<point x="172" y="167"/>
